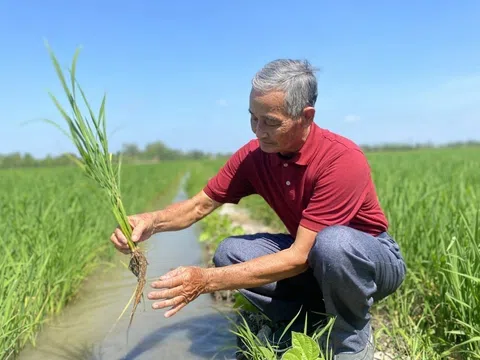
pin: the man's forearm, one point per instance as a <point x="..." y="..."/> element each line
<point x="183" y="214"/>
<point x="256" y="272"/>
<point x="176" y="216"/>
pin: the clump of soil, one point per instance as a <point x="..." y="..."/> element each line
<point x="138" y="266"/>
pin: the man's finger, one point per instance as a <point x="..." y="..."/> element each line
<point x="169" y="303"/>
<point x="168" y="283"/>
<point x="118" y="245"/>
<point x="175" y="309"/>
<point x="114" y="240"/>
<point x="123" y="250"/>
<point x="138" y="230"/>
<point x="120" y="237"/>
<point x="165" y="294"/>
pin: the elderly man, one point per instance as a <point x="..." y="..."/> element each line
<point x="337" y="256"/>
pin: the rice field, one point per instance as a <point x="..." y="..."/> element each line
<point x="432" y="200"/>
<point x="55" y="230"/>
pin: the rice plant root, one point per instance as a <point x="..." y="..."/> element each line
<point x="138" y="266"/>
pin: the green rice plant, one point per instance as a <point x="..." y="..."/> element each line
<point x="431" y="200"/>
<point x="90" y="138"/>
<point x="303" y="346"/>
<point x="216" y="228"/>
<point x="52" y="220"/>
<point x="461" y="270"/>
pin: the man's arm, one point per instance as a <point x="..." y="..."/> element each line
<point x="230" y="184"/>
<point x="336" y="199"/>
<point x="176" y="216"/>
<point x="185" y="213"/>
<point x="265" y="269"/>
<point x="182" y="285"/>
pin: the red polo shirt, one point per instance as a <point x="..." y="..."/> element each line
<point x="328" y="182"/>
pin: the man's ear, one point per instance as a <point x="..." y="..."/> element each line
<point x="308" y="115"/>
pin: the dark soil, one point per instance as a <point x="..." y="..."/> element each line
<point x="138" y="266"/>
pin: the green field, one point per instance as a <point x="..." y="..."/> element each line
<point x="55" y="231"/>
<point x="432" y="200"/>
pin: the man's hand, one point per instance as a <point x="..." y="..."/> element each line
<point x="143" y="229"/>
<point x="180" y="287"/>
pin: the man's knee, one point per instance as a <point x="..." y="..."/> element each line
<point x="332" y="245"/>
<point x="227" y="252"/>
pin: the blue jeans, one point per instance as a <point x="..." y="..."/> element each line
<point x="348" y="271"/>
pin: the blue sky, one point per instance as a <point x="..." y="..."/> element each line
<point x="180" y="71"/>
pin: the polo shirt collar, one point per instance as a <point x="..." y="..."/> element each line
<point x="306" y="152"/>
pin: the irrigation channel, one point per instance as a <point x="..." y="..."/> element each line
<point x="84" y="329"/>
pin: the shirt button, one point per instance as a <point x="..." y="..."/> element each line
<point x="288" y="182"/>
<point x="285" y="165"/>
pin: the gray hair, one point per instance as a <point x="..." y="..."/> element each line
<point x="296" y="78"/>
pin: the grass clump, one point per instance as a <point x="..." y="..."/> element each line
<point x="255" y="345"/>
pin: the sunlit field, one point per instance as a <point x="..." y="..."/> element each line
<point x="55" y="228"/>
<point x="432" y="200"/>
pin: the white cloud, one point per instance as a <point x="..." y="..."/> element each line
<point x="352" y="118"/>
<point x="222" y="102"/>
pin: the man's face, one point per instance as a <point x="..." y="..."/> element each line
<point x="275" y="130"/>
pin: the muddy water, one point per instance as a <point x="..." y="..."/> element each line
<point x="86" y="329"/>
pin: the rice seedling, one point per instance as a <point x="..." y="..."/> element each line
<point x="303" y="345"/>
<point x="90" y="138"/>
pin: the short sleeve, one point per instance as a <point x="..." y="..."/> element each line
<point x="232" y="182"/>
<point x="339" y="192"/>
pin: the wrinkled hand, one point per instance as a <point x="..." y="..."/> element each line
<point x="143" y="229"/>
<point x="180" y="287"/>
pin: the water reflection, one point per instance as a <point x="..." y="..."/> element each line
<point x="208" y="338"/>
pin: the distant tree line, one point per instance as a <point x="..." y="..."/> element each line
<point x="158" y="151"/>
<point x="131" y="153"/>
<point x="406" y="147"/>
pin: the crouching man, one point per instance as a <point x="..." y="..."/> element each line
<point x="337" y="257"/>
